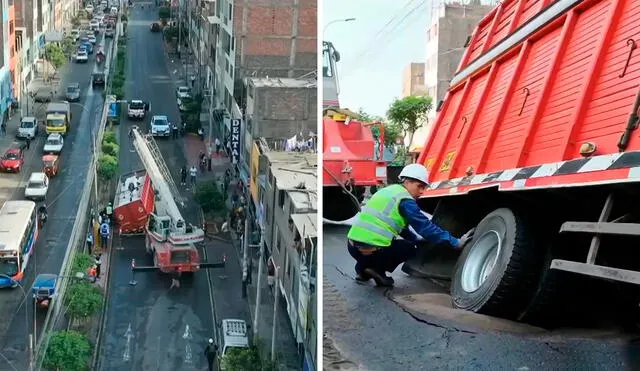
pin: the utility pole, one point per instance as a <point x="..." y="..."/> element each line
<point x="179" y="27"/>
<point x="276" y="294"/>
<point x="31" y="352"/>
<point x="256" y="316"/>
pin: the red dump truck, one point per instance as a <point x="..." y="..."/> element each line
<point x="536" y="146"/>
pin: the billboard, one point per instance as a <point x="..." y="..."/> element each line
<point x="235" y="141"/>
<point x="255" y="165"/>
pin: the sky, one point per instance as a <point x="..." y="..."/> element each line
<point x="373" y="57"/>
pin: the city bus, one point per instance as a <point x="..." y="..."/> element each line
<point x="18" y="234"/>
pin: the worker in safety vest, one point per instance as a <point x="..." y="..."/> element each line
<point x="372" y="239"/>
<point x="104" y="234"/>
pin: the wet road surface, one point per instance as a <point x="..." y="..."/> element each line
<point x="148" y="326"/>
<point x="365" y="328"/>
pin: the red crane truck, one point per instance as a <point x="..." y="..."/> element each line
<point x="536" y="145"/>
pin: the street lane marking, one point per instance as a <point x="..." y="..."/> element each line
<point x="126" y="356"/>
<point x="188" y="356"/>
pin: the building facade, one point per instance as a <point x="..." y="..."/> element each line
<point x="287" y="195"/>
<point x="413" y="80"/>
<point x="451" y="25"/>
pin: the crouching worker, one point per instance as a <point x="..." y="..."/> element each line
<point x="372" y="239"/>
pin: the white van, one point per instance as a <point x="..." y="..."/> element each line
<point x="234" y="337"/>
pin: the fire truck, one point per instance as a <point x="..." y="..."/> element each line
<point x="169" y="239"/>
<point x="352" y="164"/>
<point x="535" y="145"/>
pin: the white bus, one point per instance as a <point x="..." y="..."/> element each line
<point x="18" y="234"/>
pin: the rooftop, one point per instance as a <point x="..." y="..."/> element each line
<point x="305" y="224"/>
<point x="282" y="82"/>
<point x="297" y="174"/>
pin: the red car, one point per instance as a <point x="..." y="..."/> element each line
<point x="12" y="160"/>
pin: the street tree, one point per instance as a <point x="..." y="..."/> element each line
<point x="81" y="263"/>
<point x="209" y="197"/>
<point x="54" y="53"/>
<point x="246" y="359"/>
<point x="164" y="12"/>
<point x="391" y="131"/>
<point x="67" y="350"/>
<point x="83" y="300"/>
<point x="410" y="113"/>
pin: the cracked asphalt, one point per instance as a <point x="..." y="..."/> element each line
<point x="375" y="329"/>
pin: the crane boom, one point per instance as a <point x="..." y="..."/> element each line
<point x="162" y="182"/>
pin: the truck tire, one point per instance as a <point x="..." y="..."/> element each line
<point x="498" y="270"/>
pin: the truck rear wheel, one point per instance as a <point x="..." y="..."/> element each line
<point x="499" y="268"/>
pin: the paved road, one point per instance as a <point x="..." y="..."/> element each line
<point x="62" y="203"/>
<point x="367" y="329"/>
<point x="158" y="317"/>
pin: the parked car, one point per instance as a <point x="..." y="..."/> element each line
<point x="97" y="78"/>
<point x="183" y="92"/>
<point x="28" y="127"/>
<point x="73" y="92"/>
<point x="37" y="187"/>
<point x="12" y="160"/>
<point x="82" y="56"/>
<point x="54" y="144"/>
<point x="75" y="35"/>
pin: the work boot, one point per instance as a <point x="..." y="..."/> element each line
<point x="362" y="277"/>
<point x="381" y="278"/>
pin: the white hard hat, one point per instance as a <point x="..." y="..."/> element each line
<point x="210" y="341"/>
<point x="416" y="172"/>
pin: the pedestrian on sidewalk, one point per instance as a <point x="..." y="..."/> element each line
<point x="183" y="176"/>
<point x="104" y="233"/>
<point x="98" y="263"/>
<point x="201" y="134"/>
<point x="193" y="173"/>
<point x="3" y="129"/>
<point x="217" y="146"/>
<point x="89" y="241"/>
<point x="174" y="131"/>
<point x="28" y="141"/>
<point x="211" y="352"/>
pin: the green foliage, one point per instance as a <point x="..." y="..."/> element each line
<point x="246" y="359"/>
<point x="117" y="82"/>
<point x="111" y="149"/>
<point x="109" y="137"/>
<point x="209" y="197"/>
<point x="83" y="299"/>
<point x="54" y="53"/>
<point x="107" y="167"/>
<point x="164" y="12"/>
<point x="191" y="115"/>
<point x="171" y="33"/>
<point x="409" y="113"/>
<point x="67" y="350"/>
<point x="391" y="130"/>
<point x="81" y="263"/>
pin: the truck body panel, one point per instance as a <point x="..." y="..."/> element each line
<point x="572" y="81"/>
<point x="133" y="202"/>
<point x="352" y="146"/>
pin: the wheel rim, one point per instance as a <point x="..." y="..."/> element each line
<point x="481" y="260"/>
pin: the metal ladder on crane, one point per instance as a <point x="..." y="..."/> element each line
<point x="164" y="170"/>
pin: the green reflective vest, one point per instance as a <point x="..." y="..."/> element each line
<point x="380" y="220"/>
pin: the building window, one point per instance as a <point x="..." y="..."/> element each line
<point x="11" y="27"/>
<point x="230" y="11"/>
<point x="233" y="43"/>
<point x="281" y="198"/>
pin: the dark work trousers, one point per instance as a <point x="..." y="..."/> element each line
<point x="385" y="259"/>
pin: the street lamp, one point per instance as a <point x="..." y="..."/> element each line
<point x="324" y="31"/>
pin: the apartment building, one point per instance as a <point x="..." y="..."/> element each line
<point x="452" y="23"/>
<point x="7" y="58"/>
<point x="413" y="80"/>
<point x="285" y="188"/>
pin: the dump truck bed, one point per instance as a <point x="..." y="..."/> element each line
<point x="539" y="80"/>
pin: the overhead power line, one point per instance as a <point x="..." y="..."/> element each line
<point x="391" y="35"/>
